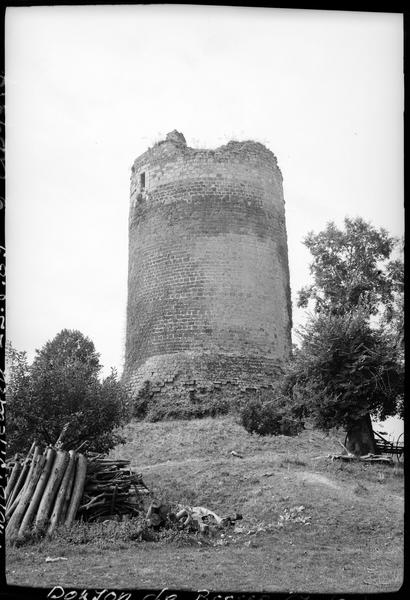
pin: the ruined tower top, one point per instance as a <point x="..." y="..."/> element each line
<point x="155" y="163"/>
<point x="176" y="137"/>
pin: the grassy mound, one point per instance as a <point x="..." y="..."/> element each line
<point x="347" y="537"/>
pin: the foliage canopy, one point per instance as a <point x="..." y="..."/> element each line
<point x="352" y="269"/>
<point x="62" y="388"/>
<point x="350" y="362"/>
<point x="344" y="370"/>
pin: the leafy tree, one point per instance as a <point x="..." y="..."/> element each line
<point x="351" y="361"/>
<point x="352" y="268"/>
<point x="392" y="321"/>
<point x="344" y="371"/>
<point x="60" y="394"/>
<point x="18" y="397"/>
<point x="393" y="317"/>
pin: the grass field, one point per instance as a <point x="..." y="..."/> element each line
<point x="348" y="537"/>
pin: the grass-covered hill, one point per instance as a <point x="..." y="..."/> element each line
<point x="348" y="537"/>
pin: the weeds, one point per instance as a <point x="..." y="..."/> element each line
<point x="360" y="489"/>
<point x="381" y="477"/>
<point x="293" y="515"/>
<point x="398" y="471"/>
<point x="109" y="534"/>
<point x="101" y="534"/>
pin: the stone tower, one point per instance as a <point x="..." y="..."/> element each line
<point x="208" y="279"/>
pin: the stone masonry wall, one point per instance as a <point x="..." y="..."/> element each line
<point x="208" y="283"/>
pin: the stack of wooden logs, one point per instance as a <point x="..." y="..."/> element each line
<point x="44" y="491"/>
<point x="51" y="488"/>
<point x="111" y="489"/>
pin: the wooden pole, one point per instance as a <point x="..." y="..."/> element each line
<point x="36" y="453"/>
<point x="11" y="507"/>
<point x="54" y="480"/>
<point x="65" y="484"/>
<point x="68" y="492"/>
<point x="59" y="443"/>
<point x="16" y="518"/>
<point x="13" y="478"/>
<point x="78" y="488"/>
<point x="50" y="454"/>
<point x="25" y="473"/>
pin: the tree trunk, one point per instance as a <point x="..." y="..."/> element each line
<point x="360" y="437"/>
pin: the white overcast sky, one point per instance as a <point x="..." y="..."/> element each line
<point x="89" y="88"/>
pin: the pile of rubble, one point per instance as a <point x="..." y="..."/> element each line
<point x="195" y="518"/>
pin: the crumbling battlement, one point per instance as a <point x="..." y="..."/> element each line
<point x="208" y="280"/>
<point x="171" y="161"/>
<point x="174" y="146"/>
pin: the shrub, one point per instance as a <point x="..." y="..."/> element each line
<point x="142" y="401"/>
<point x="269" y="416"/>
<point x="192" y="405"/>
<point x="345" y="371"/>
